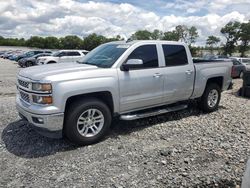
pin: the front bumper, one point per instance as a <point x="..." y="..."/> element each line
<point x="49" y="125"/>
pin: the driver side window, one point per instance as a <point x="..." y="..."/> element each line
<point x="62" y="54"/>
<point x="148" y="54"/>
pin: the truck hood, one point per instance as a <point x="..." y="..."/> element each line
<point x="37" y="73"/>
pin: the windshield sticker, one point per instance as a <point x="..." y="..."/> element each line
<point x="123" y="46"/>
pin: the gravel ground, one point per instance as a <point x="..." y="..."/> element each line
<point x="181" y="149"/>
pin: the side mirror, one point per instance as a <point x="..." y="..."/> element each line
<point x="132" y="64"/>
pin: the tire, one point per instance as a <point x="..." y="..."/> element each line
<point x="78" y="120"/>
<point x="29" y="64"/>
<point x="210" y="99"/>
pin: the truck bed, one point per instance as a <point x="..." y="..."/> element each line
<point x="205" y="69"/>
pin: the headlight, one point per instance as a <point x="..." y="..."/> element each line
<point x="42" y="99"/>
<point x="41" y="87"/>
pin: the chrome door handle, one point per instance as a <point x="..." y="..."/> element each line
<point x="157" y="75"/>
<point x="189" y="72"/>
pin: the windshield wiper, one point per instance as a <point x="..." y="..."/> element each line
<point x="83" y="62"/>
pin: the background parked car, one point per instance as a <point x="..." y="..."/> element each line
<point x="212" y="57"/>
<point x="31" y="61"/>
<point x="6" y="54"/>
<point x="238" y="69"/>
<point x="2" y="52"/>
<point x="243" y="60"/>
<point x="62" y="56"/>
<point x="31" y="53"/>
<point x="14" y="55"/>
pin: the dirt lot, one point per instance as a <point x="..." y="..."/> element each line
<point x="186" y="148"/>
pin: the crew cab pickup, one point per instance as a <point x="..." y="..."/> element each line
<point x="129" y="80"/>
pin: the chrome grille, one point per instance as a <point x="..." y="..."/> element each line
<point x="23" y="83"/>
<point x="24" y="96"/>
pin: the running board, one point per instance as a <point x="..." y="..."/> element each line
<point x="158" y="111"/>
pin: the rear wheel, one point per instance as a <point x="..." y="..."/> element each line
<point x="211" y="98"/>
<point x="87" y="122"/>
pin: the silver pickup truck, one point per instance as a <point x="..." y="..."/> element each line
<point x="130" y="80"/>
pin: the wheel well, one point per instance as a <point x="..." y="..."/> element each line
<point x="216" y="80"/>
<point x="51" y="62"/>
<point x="104" y="96"/>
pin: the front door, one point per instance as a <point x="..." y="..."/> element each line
<point x="143" y="86"/>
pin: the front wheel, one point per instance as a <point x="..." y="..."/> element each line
<point x="211" y="98"/>
<point x="87" y="122"/>
<point x="29" y="64"/>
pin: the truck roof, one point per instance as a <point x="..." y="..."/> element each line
<point x="148" y="41"/>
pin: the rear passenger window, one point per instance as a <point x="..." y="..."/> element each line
<point x="246" y="60"/>
<point x="73" y="53"/>
<point x="175" y="55"/>
<point x="148" y="54"/>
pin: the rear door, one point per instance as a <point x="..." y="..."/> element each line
<point x="64" y="57"/>
<point x="75" y="56"/>
<point x="178" y="73"/>
<point x="143" y="86"/>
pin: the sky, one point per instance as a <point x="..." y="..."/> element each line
<point x="25" y="18"/>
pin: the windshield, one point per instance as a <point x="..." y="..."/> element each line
<point x="105" y="55"/>
<point x="29" y="54"/>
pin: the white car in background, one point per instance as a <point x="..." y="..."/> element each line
<point x="63" y="56"/>
<point x="243" y="60"/>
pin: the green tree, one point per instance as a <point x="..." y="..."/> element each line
<point x="92" y="41"/>
<point x="141" y="35"/>
<point x="70" y="42"/>
<point x="187" y="35"/>
<point x="244" y="37"/>
<point x="192" y="35"/>
<point x="35" y="41"/>
<point x="156" y="34"/>
<point x="171" y="35"/>
<point x="231" y="32"/>
<point x="182" y="32"/>
<point x="51" y="43"/>
<point x="212" y="41"/>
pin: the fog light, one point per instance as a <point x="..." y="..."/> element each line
<point x="38" y="120"/>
